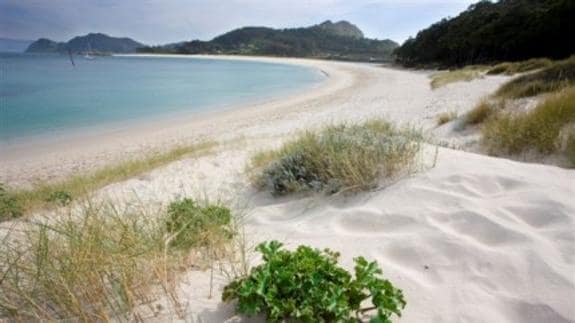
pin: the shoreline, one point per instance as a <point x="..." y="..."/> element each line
<point x="23" y="163"/>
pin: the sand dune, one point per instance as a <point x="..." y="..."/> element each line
<point x="473" y="239"/>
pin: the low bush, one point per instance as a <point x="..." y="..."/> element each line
<point x="520" y="67"/>
<point x="307" y="285"/>
<point x="192" y="225"/>
<point x="336" y="158"/>
<point x="556" y="76"/>
<point x="446" y="117"/>
<point x="10" y="207"/>
<point x="537" y="129"/>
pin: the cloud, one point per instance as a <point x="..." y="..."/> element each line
<point x="162" y="21"/>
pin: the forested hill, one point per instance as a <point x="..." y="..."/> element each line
<point x="340" y="40"/>
<point x="507" y="30"/>
<point x="94" y="42"/>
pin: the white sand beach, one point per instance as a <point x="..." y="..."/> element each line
<point x="468" y="238"/>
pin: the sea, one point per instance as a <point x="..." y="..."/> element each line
<point x="44" y="95"/>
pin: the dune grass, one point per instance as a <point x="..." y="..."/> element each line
<point x="558" y="75"/>
<point x="480" y="113"/>
<point x="466" y="74"/>
<point x="337" y="158"/>
<point x="512" y="68"/>
<point x="446" y="117"/>
<point x="46" y="195"/>
<point x="98" y="265"/>
<point x="538" y="129"/>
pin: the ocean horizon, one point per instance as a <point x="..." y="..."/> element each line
<point x="52" y="95"/>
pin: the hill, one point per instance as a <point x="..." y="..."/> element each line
<point x="487" y="32"/>
<point x="13" y="45"/>
<point x="94" y="42"/>
<point x="328" y="40"/>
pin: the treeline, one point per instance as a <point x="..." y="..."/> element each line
<point x="487" y="32"/>
<point x="315" y="41"/>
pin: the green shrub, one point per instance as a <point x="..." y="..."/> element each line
<point x="558" y="75"/>
<point x="345" y="157"/>
<point x="61" y="198"/>
<point x="307" y="285"/>
<point x="10" y="208"/>
<point x="446" y="117"/>
<point x="192" y="226"/>
<point x="537" y="129"/>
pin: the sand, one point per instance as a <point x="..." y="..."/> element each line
<point x="471" y="238"/>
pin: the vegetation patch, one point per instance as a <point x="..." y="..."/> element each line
<point x="538" y="129"/>
<point x="336" y="158"/>
<point x="446" y="77"/>
<point x="191" y="225"/>
<point x="60" y="193"/>
<point x="479" y="114"/>
<point x="308" y="285"/>
<point x="446" y="117"/>
<point x="509" y="68"/>
<point x="10" y="207"/>
<point x="559" y="75"/>
<point x="97" y="265"/>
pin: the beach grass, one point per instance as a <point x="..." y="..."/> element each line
<point x="558" y="75"/>
<point x="512" y="68"/>
<point x="14" y="203"/>
<point x="538" y="130"/>
<point x="347" y="157"/>
<point x="446" y="117"/>
<point x="101" y="264"/>
<point x="480" y="113"/>
<point x="466" y="74"/>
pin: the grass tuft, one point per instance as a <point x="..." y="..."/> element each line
<point x="336" y="158"/>
<point x="557" y="76"/>
<point x="508" y="68"/>
<point x="60" y="193"/>
<point x="466" y="74"/>
<point x="446" y="117"/>
<point x="479" y="114"/>
<point x="97" y="265"/>
<point x="537" y="130"/>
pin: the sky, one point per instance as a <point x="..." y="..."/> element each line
<point x="164" y="21"/>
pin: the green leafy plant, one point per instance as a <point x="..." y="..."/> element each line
<point x="61" y="198"/>
<point x="192" y="225"/>
<point x="9" y="206"/>
<point x="307" y="285"/>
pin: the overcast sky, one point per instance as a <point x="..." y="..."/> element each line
<point x="164" y="21"/>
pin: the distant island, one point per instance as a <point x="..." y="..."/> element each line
<point x="341" y="40"/>
<point x="94" y="43"/>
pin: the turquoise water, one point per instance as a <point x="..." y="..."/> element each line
<point x="45" y="94"/>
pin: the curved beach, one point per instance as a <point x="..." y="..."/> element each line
<point x="351" y="91"/>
